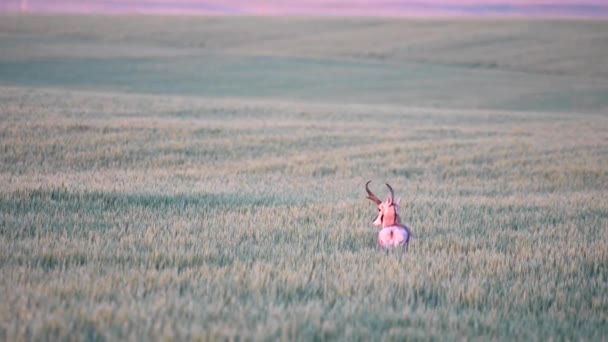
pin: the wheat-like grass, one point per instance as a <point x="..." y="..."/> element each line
<point x="161" y="217"/>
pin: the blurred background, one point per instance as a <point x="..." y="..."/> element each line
<point x="568" y="8"/>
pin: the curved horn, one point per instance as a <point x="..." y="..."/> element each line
<point x="370" y="195"/>
<point x="392" y="193"/>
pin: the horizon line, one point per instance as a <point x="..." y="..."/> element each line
<point x="416" y="9"/>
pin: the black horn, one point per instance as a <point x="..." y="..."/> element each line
<point x="370" y="195"/>
<point x="392" y="193"/>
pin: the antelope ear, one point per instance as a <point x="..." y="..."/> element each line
<point x="389" y="200"/>
<point x="398" y="202"/>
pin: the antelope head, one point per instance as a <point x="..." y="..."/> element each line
<point x="387" y="210"/>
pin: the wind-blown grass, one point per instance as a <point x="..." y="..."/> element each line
<point x="148" y="216"/>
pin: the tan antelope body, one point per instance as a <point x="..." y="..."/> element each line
<point x="392" y="233"/>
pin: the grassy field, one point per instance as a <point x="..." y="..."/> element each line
<point x="203" y="178"/>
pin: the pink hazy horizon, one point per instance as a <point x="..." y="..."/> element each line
<point x="583" y="8"/>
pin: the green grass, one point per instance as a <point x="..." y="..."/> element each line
<point x="132" y="209"/>
<point x="507" y="64"/>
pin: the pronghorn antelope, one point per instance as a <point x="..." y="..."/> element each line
<point x="393" y="233"/>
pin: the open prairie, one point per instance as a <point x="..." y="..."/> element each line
<point x="202" y="178"/>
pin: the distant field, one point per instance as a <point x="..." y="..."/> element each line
<point x="503" y="64"/>
<point x="203" y="178"/>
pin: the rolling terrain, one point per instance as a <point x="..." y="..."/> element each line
<point x="202" y="178"/>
